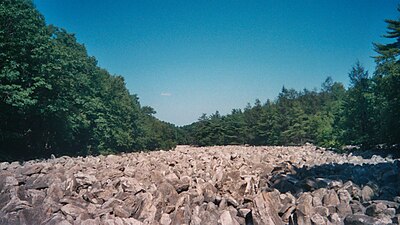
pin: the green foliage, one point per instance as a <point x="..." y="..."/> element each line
<point x="367" y="114"/>
<point x="54" y="99"/>
<point x="293" y="119"/>
<point x="358" y="109"/>
<point x="387" y="85"/>
<point x="156" y="134"/>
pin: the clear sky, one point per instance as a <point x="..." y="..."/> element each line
<point x="185" y="58"/>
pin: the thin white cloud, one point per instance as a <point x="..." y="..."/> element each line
<point x="167" y="94"/>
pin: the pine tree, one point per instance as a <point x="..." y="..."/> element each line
<point x="387" y="79"/>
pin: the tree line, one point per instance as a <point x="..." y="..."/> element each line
<point x="366" y="114"/>
<point x="55" y="99"/>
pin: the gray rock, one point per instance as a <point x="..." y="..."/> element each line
<point x="389" y="204"/>
<point x="357" y="208"/>
<point x="321" y="210"/>
<point x="131" y="185"/>
<point x="376" y="209"/>
<point x="344" y="209"/>
<point x="288" y="213"/>
<point x="265" y="210"/>
<point x="165" y="219"/>
<point x="318" y="219"/>
<point x="227" y="219"/>
<point x="121" y="212"/>
<point x="40" y="181"/>
<point x="344" y="196"/>
<point x="361" y="220"/>
<point x="56" y="219"/>
<point x="243" y="212"/>
<point x="225" y="185"/>
<point x="7" y="182"/>
<point x="32" y="169"/>
<point x="367" y="193"/>
<point x="14" y="205"/>
<point x="72" y="210"/>
<point x="91" y="221"/>
<point x="335" y="219"/>
<point x="331" y="198"/>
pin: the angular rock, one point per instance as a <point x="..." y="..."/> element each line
<point x="32" y="169"/>
<point x="209" y="192"/>
<point x="288" y="213"/>
<point x="227" y="219"/>
<point x="131" y="185"/>
<point x="335" y="219"/>
<point x="165" y="219"/>
<point x="318" y="219"/>
<point x="7" y="181"/>
<point x="265" y="210"/>
<point x="344" y="196"/>
<point x="72" y="210"/>
<point x="357" y="208"/>
<point x="344" y="209"/>
<point x="210" y="185"/>
<point x="243" y="212"/>
<point x="361" y="220"/>
<point x="367" y="193"/>
<point x="38" y="182"/>
<point x="121" y="212"/>
<point x="331" y="199"/>
<point x="321" y="210"/>
<point x="14" y="205"/>
<point x="376" y="209"/>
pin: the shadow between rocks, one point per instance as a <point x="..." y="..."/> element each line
<point x="367" y="181"/>
<point x="371" y="154"/>
<point x="382" y="151"/>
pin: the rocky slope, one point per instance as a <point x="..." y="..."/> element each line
<point x="215" y="185"/>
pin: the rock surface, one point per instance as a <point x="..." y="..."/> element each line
<point x="227" y="185"/>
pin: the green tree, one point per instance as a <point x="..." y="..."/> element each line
<point x="56" y="100"/>
<point x="24" y="50"/>
<point x="387" y="79"/>
<point x="358" y="108"/>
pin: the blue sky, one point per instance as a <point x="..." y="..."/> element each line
<point x="185" y="58"/>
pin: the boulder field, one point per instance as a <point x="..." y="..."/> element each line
<point x="226" y="185"/>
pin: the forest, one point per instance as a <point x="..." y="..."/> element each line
<point x="56" y="100"/>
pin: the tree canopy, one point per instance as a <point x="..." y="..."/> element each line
<point x="55" y="99"/>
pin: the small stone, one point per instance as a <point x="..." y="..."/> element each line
<point x="343" y="209"/>
<point x="316" y="201"/>
<point x="367" y="193"/>
<point x="321" y="210"/>
<point x="360" y="220"/>
<point x="226" y="219"/>
<point x="33" y="169"/>
<point x="288" y="213"/>
<point x="72" y="210"/>
<point x="391" y="212"/>
<point x="331" y="199"/>
<point x="335" y="218"/>
<point x="243" y="212"/>
<point x="121" y="212"/>
<point x="64" y="222"/>
<point x="318" y="219"/>
<point x="357" y="208"/>
<point x="344" y="196"/>
<point x="375" y="209"/>
<point x="8" y="181"/>
<point x="165" y="219"/>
